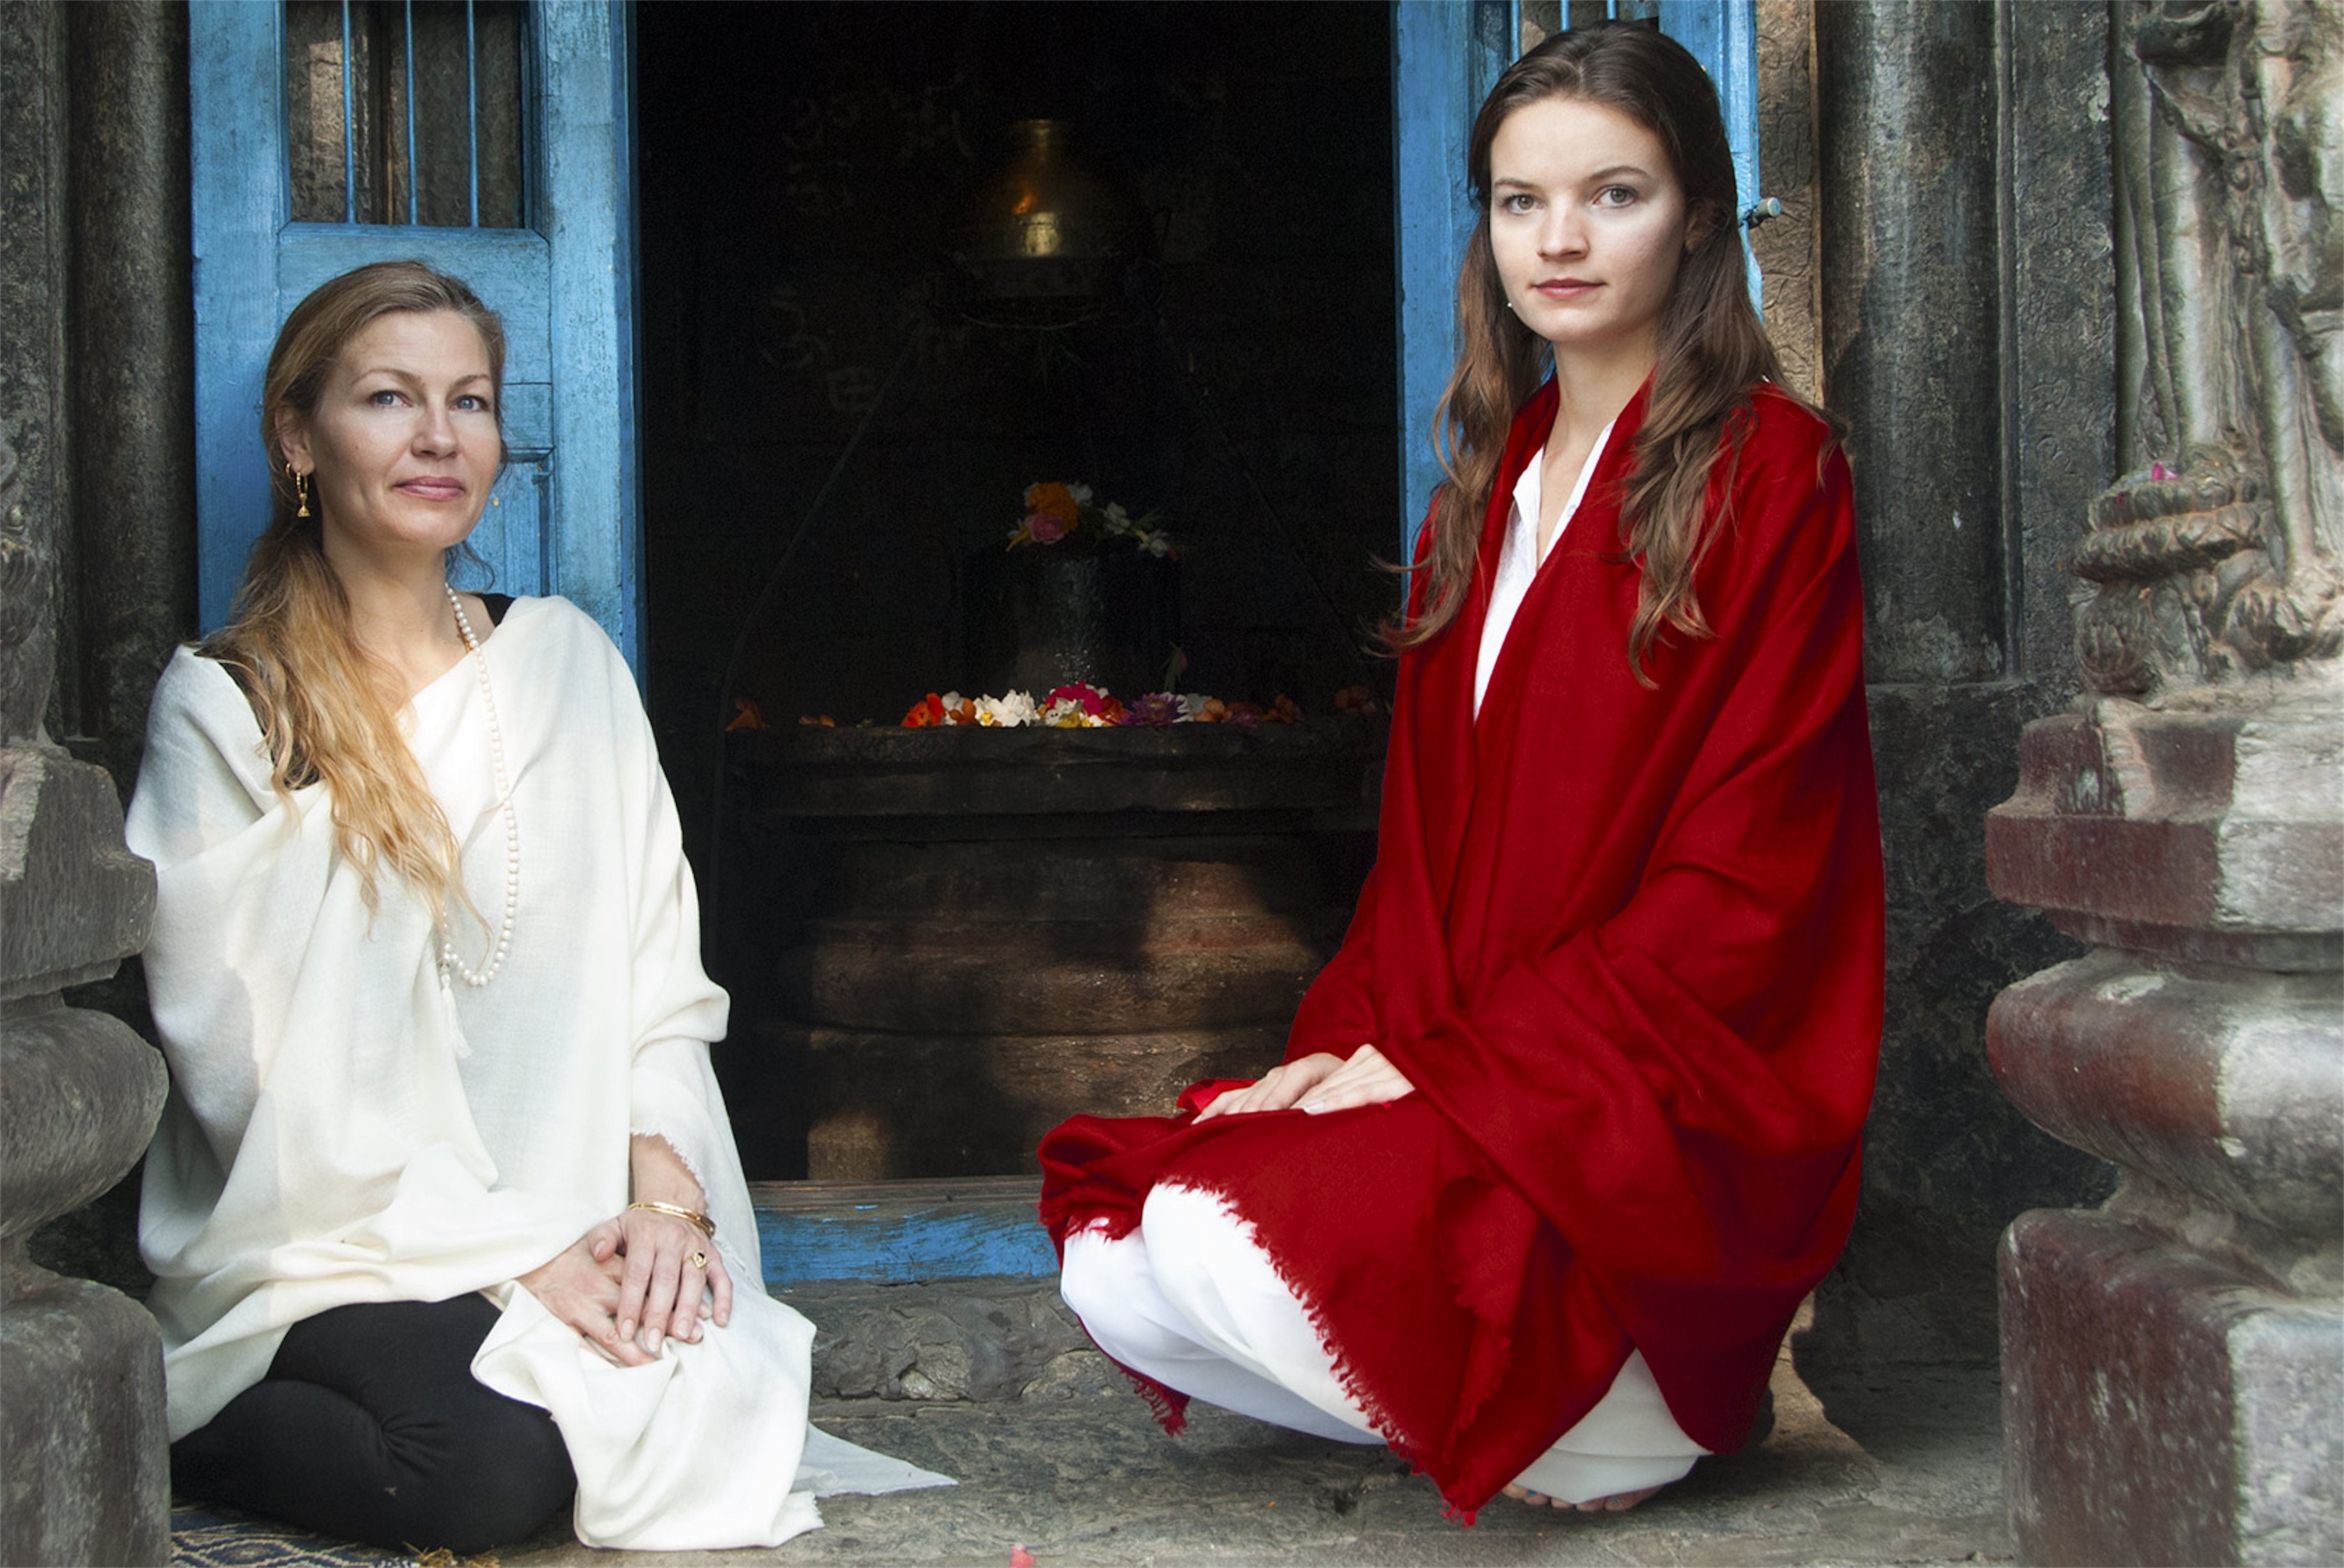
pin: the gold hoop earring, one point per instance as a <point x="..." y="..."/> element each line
<point x="300" y="489"/>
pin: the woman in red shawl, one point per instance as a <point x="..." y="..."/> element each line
<point x="1569" y="1126"/>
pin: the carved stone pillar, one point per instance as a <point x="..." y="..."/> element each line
<point x="1965" y="229"/>
<point x="2174" y="1360"/>
<point x="84" y="1466"/>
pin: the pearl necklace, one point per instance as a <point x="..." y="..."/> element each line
<point x="447" y="959"/>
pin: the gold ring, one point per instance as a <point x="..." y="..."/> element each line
<point x="696" y="1258"/>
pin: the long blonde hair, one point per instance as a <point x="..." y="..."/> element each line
<point x="1712" y="351"/>
<point x="328" y="710"/>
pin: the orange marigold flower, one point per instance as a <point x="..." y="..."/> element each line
<point x="822" y="721"/>
<point x="1283" y="711"/>
<point x="1214" y="712"/>
<point x="1053" y="498"/>
<point x="746" y="716"/>
<point x="928" y="712"/>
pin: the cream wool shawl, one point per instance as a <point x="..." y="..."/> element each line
<point x="346" y="1126"/>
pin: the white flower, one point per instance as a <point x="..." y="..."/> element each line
<point x="1158" y="543"/>
<point x="1081" y="493"/>
<point x="1065" y="713"/>
<point x="1117" y="520"/>
<point x="1007" y="712"/>
<point x="1192" y="704"/>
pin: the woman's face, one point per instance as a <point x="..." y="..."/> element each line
<point x="403" y="445"/>
<point x="1588" y="223"/>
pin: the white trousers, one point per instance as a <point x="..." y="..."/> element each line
<point x="1191" y="1299"/>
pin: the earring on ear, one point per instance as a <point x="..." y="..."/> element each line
<point x="300" y="488"/>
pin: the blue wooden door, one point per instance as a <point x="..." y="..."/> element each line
<point x="1446" y="56"/>
<point x="331" y="133"/>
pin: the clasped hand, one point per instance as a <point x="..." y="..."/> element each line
<point x="629" y="1283"/>
<point x="1319" y="1082"/>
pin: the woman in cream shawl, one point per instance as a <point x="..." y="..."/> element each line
<point x="445" y="1212"/>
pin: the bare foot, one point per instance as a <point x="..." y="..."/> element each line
<point x="1618" y="1502"/>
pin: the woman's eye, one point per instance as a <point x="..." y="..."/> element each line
<point x="1519" y="201"/>
<point x="1615" y="196"/>
<point x="472" y="403"/>
<point x="383" y="398"/>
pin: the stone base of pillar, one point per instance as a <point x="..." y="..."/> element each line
<point x="87" y="1476"/>
<point x="84" y="1465"/>
<point x="2173" y="1364"/>
<point x="2158" y="1407"/>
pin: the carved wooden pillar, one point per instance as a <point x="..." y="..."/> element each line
<point x="2174" y="1360"/>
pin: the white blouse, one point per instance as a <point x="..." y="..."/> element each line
<point x="1519" y="558"/>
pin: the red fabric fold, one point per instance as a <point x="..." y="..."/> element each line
<point x="1626" y="943"/>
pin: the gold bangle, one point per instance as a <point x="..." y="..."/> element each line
<point x="692" y="1217"/>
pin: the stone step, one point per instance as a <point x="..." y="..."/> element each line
<point x="946" y="1341"/>
<point x="935" y="1290"/>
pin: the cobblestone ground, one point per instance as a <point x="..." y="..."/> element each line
<point x="1077" y="1473"/>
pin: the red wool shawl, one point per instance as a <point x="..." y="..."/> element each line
<point x="1627" y="944"/>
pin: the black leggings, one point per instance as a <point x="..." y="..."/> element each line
<point x="370" y="1427"/>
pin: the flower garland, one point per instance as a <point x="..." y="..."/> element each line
<point x="1079" y="707"/>
<point x="1086" y="707"/>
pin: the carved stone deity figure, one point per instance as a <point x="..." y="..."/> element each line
<point x="2173" y="1361"/>
<point x="2217" y="555"/>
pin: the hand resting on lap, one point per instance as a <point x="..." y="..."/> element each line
<point x="1316" y="1083"/>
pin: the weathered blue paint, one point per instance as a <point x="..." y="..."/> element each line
<point x="349" y="126"/>
<point x="1446" y="55"/>
<point x="471" y="111"/>
<point x="1722" y="35"/>
<point x="555" y="524"/>
<point x="900" y="1233"/>
<point x="414" y="166"/>
<point x="238" y="193"/>
<point x="589" y="217"/>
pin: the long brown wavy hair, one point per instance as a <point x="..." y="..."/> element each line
<point x="329" y="711"/>
<point x="1712" y="351"/>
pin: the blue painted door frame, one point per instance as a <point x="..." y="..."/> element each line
<point x="565" y="515"/>
<point x="1446" y="56"/>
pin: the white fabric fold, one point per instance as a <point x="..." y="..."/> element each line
<point x="638" y="1487"/>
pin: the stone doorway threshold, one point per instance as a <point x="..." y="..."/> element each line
<point x="986" y="1380"/>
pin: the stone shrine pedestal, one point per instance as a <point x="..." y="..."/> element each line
<point x="993" y="930"/>
<point x="2173" y="1363"/>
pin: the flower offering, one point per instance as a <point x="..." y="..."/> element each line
<point x="1064" y="515"/>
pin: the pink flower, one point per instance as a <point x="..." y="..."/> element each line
<point x="1046" y="527"/>
<point x="1090" y="699"/>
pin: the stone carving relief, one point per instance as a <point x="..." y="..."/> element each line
<point x="25" y="585"/>
<point x="2217" y="557"/>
